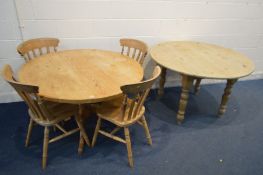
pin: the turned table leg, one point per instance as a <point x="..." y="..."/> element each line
<point x="162" y="81"/>
<point x="187" y="82"/>
<point x="226" y="95"/>
<point x="197" y="85"/>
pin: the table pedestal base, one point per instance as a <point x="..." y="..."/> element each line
<point x="83" y="134"/>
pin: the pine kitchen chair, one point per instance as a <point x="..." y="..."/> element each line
<point x="135" y="49"/>
<point x="36" y="47"/>
<point x="130" y="111"/>
<point x="42" y="112"/>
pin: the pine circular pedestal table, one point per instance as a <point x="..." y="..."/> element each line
<point x="80" y="76"/>
<point x="196" y="61"/>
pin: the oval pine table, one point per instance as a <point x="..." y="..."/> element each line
<point x="196" y="61"/>
<point x="80" y="76"/>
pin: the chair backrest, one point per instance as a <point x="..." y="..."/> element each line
<point x="134" y="48"/>
<point x="36" y="47"/>
<point x="28" y="93"/>
<point x="135" y="95"/>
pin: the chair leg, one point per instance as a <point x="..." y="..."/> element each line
<point x="146" y="129"/>
<point x="45" y="147"/>
<point x="29" y="131"/>
<point x="94" y="139"/>
<point x="81" y="144"/>
<point x="128" y="145"/>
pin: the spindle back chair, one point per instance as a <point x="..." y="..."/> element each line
<point x="135" y="49"/>
<point x="36" y="47"/>
<point x="129" y="112"/>
<point x="134" y="97"/>
<point x="42" y="112"/>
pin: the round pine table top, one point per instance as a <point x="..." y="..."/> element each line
<point x="80" y="76"/>
<point x="202" y="60"/>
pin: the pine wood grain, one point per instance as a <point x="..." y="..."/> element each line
<point x="202" y="60"/>
<point x="81" y="76"/>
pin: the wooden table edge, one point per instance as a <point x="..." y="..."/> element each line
<point x="82" y="101"/>
<point x="205" y="77"/>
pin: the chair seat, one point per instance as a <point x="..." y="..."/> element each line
<point x="57" y="111"/>
<point x="112" y="112"/>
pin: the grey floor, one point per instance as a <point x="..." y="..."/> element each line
<point x="204" y="144"/>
